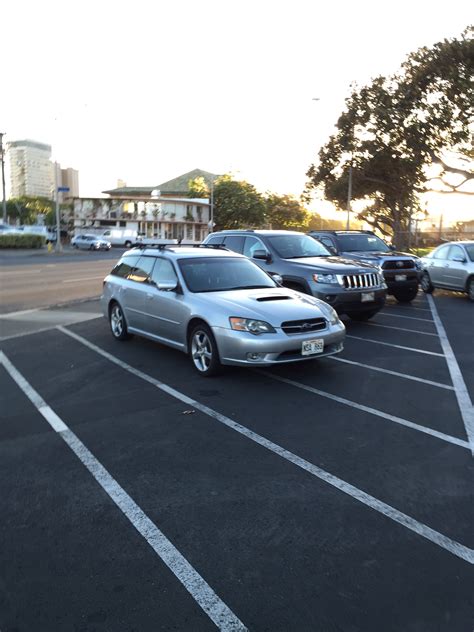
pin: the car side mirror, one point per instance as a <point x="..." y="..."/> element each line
<point x="392" y="247"/>
<point x="167" y="286"/>
<point x="332" y="250"/>
<point x="262" y="254"/>
<point x="459" y="259"/>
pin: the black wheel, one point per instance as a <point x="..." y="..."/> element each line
<point x="426" y="283"/>
<point x="118" y="326"/>
<point x="203" y="351"/>
<point x="362" y="316"/>
<point x="128" y="244"/>
<point x="470" y="289"/>
<point x="405" y="296"/>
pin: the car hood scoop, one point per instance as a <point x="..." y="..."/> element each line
<point x="274" y="297"/>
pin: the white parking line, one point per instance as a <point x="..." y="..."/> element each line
<point x="460" y="550"/>
<point x="390" y="344"/>
<point x="21" y="312"/>
<point x="425" y="320"/>
<point x="462" y="394"/>
<point x="396" y="373"/>
<point x="412" y="331"/>
<point x="423" y="309"/>
<point x="198" y="588"/>
<point x="372" y="411"/>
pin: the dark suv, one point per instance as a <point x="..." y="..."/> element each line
<point x="400" y="270"/>
<point x="353" y="288"/>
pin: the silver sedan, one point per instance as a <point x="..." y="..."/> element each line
<point x="90" y="242"/>
<point x="217" y="306"/>
<point x="451" y="267"/>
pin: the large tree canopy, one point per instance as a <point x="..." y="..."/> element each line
<point x="286" y="213"/>
<point x="237" y="204"/>
<point x="404" y="135"/>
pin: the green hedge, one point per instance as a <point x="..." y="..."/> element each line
<point x="17" y="240"/>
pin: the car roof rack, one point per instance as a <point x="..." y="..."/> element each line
<point x="161" y="245"/>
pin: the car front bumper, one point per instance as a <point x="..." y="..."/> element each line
<point x="237" y="347"/>
<point x="351" y="301"/>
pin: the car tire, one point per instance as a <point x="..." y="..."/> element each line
<point x="362" y="316"/>
<point x="470" y="289"/>
<point x="405" y="296"/>
<point x="118" y="325"/>
<point x="128" y="244"/>
<point x="426" y="284"/>
<point x="203" y="351"/>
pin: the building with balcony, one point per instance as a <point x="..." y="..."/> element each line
<point x="31" y="169"/>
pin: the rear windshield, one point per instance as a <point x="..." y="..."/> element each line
<point x="364" y="243"/>
<point x="218" y="274"/>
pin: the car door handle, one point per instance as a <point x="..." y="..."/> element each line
<point x="149" y="295"/>
<point x="446" y="265"/>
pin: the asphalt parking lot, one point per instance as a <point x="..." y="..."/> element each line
<point x="334" y="495"/>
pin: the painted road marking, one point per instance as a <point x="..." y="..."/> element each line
<point x="390" y="344"/>
<point x="462" y="394"/>
<point x="425" y="320"/>
<point x="368" y="409"/>
<point x="460" y="550"/>
<point x="412" y="331"/>
<point x="392" y="305"/>
<point x="396" y="373"/>
<point x="94" y="278"/>
<point x="198" y="588"/>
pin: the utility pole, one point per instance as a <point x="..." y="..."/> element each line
<point x="211" y="219"/>
<point x="349" y="197"/>
<point x="4" y="199"/>
<point x="56" y="198"/>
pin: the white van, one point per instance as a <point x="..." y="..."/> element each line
<point x="126" y="237"/>
<point x="44" y="231"/>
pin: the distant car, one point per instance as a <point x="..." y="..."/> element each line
<point x="217" y="306"/>
<point x="450" y="267"/>
<point x="400" y="270"/>
<point x="90" y="242"/>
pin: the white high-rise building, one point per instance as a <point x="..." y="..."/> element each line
<point x="31" y="169"/>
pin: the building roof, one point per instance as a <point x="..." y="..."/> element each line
<point x="177" y="186"/>
<point x="29" y="143"/>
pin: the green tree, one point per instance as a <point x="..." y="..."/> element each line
<point x="198" y="188"/>
<point x="25" y="209"/>
<point x="396" y="128"/>
<point x="237" y="204"/>
<point x="286" y="213"/>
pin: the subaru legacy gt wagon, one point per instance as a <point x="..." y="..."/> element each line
<point x="218" y="307"/>
<point x="355" y="288"/>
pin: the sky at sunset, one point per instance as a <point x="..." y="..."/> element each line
<point x="145" y="91"/>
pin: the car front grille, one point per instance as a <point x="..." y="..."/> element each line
<point x="357" y="281"/>
<point x="400" y="264"/>
<point x="303" y="326"/>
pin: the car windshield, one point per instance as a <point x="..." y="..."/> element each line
<point x="362" y="242"/>
<point x="218" y="274"/>
<point x="296" y="246"/>
<point x="470" y="251"/>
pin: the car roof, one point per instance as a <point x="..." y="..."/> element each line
<point x="465" y="242"/>
<point x="251" y="231"/>
<point x="344" y="232"/>
<point x="187" y="252"/>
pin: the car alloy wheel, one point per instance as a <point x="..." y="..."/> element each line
<point x="426" y="284"/>
<point x="118" y="326"/>
<point x="203" y="351"/>
<point x="470" y="289"/>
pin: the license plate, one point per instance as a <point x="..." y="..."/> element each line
<point x="400" y="277"/>
<point x="366" y="297"/>
<point x="310" y="347"/>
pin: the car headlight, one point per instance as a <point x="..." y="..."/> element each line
<point x="329" y="312"/>
<point x="325" y="278"/>
<point x="251" y="325"/>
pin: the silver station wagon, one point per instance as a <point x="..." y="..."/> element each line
<point x="217" y="306"/>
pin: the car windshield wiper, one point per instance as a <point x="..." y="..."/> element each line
<point x="306" y="256"/>
<point x="246" y="287"/>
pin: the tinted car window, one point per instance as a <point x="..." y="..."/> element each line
<point x="234" y="242"/>
<point x="326" y="241"/>
<point x="219" y="274"/>
<point x="295" y="246"/>
<point x="213" y="241"/>
<point x="470" y="251"/>
<point x="366" y="243"/>
<point x="163" y="271"/>
<point x="125" y="265"/>
<point x="251" y="245"/>
<point x="441" y="253"/>
<point x="456" y="251"/>
<point x="142" y="270"/>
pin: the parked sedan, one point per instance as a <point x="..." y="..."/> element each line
<point x="217" y="306"/>
<point x="451" y="267"/>
<point x="90" y="242"/>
